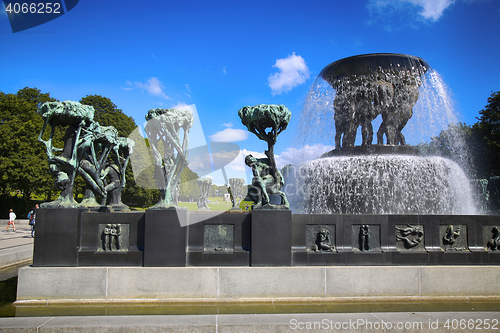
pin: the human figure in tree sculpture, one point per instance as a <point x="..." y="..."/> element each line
<point x="87" y="146"/>
<point x="97" y="143"/>
<point x="116" y="173"/>
<point x="267" y="178"/>
<point x="163" y="129"/>
<point x="64" y="163"/>
<point x="265" y="182"/>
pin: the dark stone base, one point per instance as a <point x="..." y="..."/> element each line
<point x="368" y="258"/>
<point x="92" y="246"/>
<point x="177" y="238"/>
<point x="72" y="237"/>
<point x="56" y="241"/>
<point x="325" y="259"/>
<point x="165" y="238"/>
<point x="384" y="247"/>
<point x="271" y="233"/>
<point x="209" y="247"/>
<point x="410" y="258"/>
<point x="130" y="258"/>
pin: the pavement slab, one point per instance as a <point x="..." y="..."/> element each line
<point x="418" y="322"/>
<point x="15" y="247"/>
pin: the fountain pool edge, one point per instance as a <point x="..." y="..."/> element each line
<point x="112" y="285"/>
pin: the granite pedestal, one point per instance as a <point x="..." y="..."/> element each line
<point x="271" y="232"/>
<point x="219" y="239"/>
<point x="177" y="238"/>
<point x="165" y="235"/>
<point x="57" y="237"/>
<point x="125" y="249"/>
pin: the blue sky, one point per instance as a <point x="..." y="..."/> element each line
<point x="223" y="55"/>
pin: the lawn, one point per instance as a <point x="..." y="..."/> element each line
<point x="216" y="204"/>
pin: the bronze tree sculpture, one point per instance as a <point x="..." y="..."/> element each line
<point x="167" y="130"/>
<point x="267" y="122"/>
<point x="86" y="152"/>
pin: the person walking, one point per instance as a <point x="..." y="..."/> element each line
<point x="32" y="220"/>
<point x="12" y="218"/>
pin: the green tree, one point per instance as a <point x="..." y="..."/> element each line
<point x="107" y="114"/>
<point x="475" y="148"/>
<point x="461" y="143"/>
<point x="489" y="128"/>
<point x="188" y="188"/>
<point x="23" y="163"/>
<point x="222" y="190"/>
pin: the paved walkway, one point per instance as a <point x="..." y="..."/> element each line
<point x="321" y="322"/>
<point x="15" y="247"/>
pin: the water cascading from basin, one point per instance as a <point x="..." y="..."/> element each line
<point x="383" y="178"/>
<point x="382" y="184"/>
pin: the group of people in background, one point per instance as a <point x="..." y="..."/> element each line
<point x="31" y="218"/>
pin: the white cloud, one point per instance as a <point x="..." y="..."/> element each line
<point x="238" y="164"/>
<point x="227" y="124"/>
<point x="200" y="162"/>
<point x="222" y="158"/>
<point x="233" y="163"/>
<point x="224" y="70"/>
<point x="153" y="86"/>
<point x="292" y="156"/>
<point x="293" y="72"/>
<point x="229" y="135"/>
<point x="431" y="9"/>
<point x="298" y="156"/>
